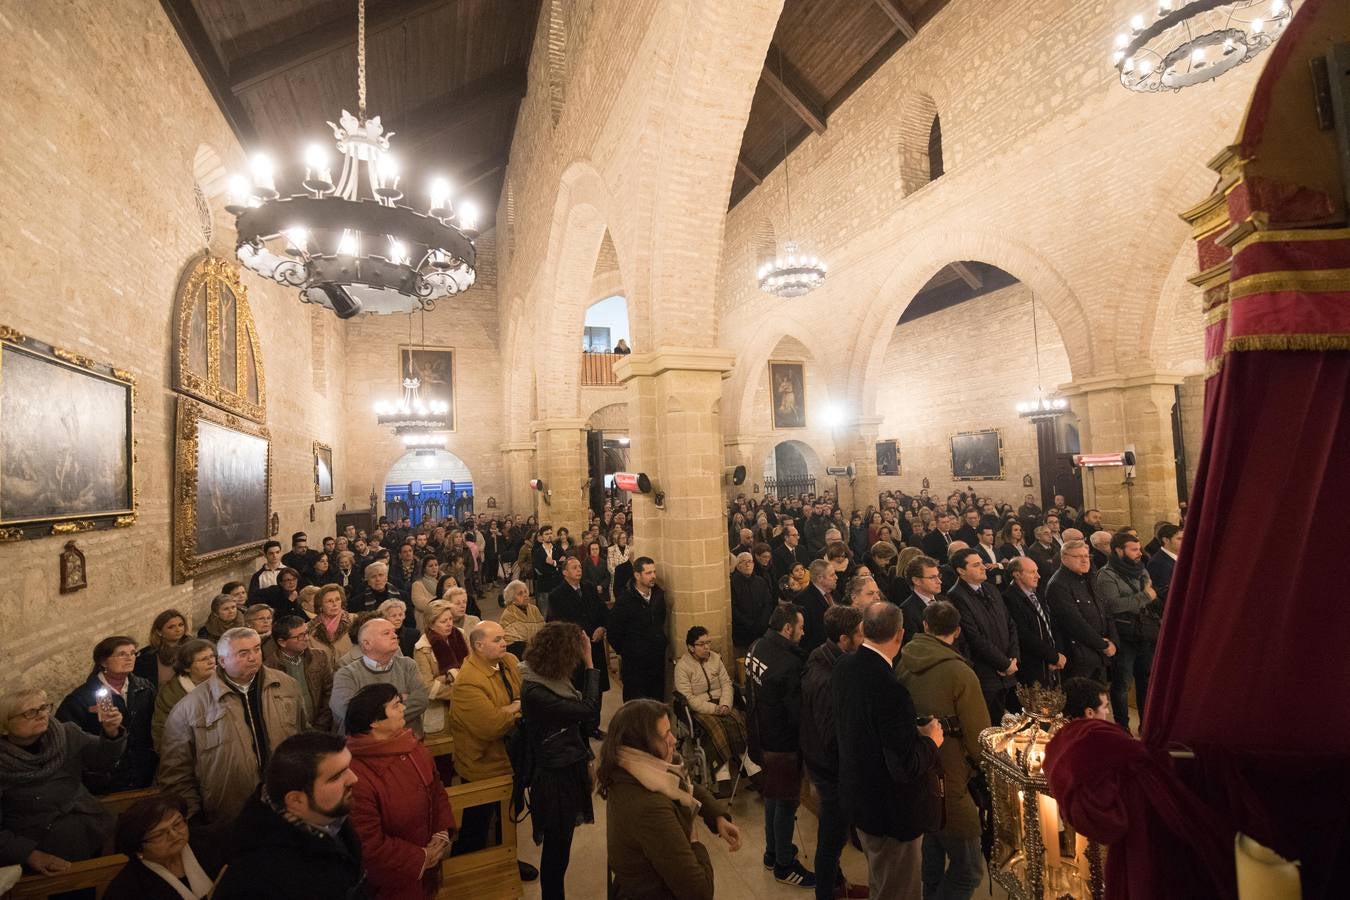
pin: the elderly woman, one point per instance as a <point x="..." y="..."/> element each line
<point x="559" y="717"/>
<point x="650" y="809"/>
<point x="330" y="628"/>
<point x="521" y="619"/>
<point x="706" y="684"/>
<point x="399" y="807"/>
<point x="224" y="616"/>
<point x="424" y="589"/>
<point x="439" y="653"/>
<point x="153" y="835"/>
<point x="193" y="664"/>
<point x="48" y="818"/>
<point x="465" y="621"/>
<point x="111" y="681"/>
<point x="396" y="611"/>
<point x="620" y="555"/>
<point x="305" y="599"/>
<point x="154" y="662"/>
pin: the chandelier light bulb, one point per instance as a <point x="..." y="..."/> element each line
<point x="298" y="237"/>
<point x="1137" y="23"/>
<point x="348" y="245"/>
<point x="1258" y="25"/>
<point x="1228" y="46"/>
<point x="263" y="172"/>
<point x="1146" y="67"/>
<point x="440" y="193"/>
<point x="1198" y="56"/>
<point x="1276" y="8"/>
<point x="240" y="190"/>
<point x="387" y="169"/>
<point x="316" y="163"/>
<point x="468" y="214"/>
<point x="1164" y="7"/>
<point x="1122" y="41"/>
<point x="397" y="252"/>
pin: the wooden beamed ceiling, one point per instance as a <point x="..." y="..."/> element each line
<point x="446" y="78"/>
<point x="822" y="51"/>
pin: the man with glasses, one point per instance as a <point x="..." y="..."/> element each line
<point x="925" y="583"/>
<point x="218" y="739"/>
<point x="289" y="651"/>
<point x="1087" y="635"/>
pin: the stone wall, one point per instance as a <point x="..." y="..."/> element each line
<point x="104" y="119"/>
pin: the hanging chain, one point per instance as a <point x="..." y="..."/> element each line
<point x="361" y="60"/>
<point x="1036" y="346"/>
<point x="787" y="185"/>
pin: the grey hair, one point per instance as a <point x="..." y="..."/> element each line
<point x="1101" y="540"/>
<point x="375" y="568"/>
<point x="223" y="646"/>
<point x="11" y="702"/>
<point x="391" y="603"/>
<point x="1070" y="546"/>
<point x="512" y="589"/>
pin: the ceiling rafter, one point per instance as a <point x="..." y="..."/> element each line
<point x="964" y="272"/>
<point x="198" y="44"/>
<point x="748" y="171"/>
<point x="791" y="89"/>
<point x="443" y="114"/>
<point x="319" y="41"/>
<point x="467" y="178"/>
<point x="899" y="16"/>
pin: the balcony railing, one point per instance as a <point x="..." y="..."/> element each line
<point x="597" y="369"/>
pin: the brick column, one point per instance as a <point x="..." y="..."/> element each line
<point x="856" y="445"/>
<point x="1116" y="412"/>
<point x="674" y="401"/>
<point x="560" y="459"/>
<point x="518" y="469"/>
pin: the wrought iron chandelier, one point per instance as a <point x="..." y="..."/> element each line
<point x="1045" y="406"/>
<point x="348" y="245"/>
<point x="1186" y="44"/>
<point x="412" y="418"/>
<point x="794" y="273"/>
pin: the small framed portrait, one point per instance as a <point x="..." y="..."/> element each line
<point x="787" y="392"/>
<point x="323" y="472"/>
<point x="73" y="572"/>
<point x="888" y="458"/>
<point x="977" y="455"/>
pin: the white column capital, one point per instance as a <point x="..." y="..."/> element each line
<point x="666" y="359"/>
<point x="557" y="425"/>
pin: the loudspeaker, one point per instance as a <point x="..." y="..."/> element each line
<point x="734" y="474"/>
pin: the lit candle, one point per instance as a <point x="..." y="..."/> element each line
<point x="1049" y="813"/>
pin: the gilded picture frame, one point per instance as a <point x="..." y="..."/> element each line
<point x="217" y="357"/>
<point x="74" y="572"/>
<point x="67" y="441"/>
<point x="787" y="394"/>
<point x="888" y="457"/>
<point x="435" y="368"/>
<point x="323" y="472"/>
<point x="978" y="455"/>
<point x="222" y="488"/>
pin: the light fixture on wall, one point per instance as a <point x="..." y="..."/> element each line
<point x="348" y="245"/>
<point x="794" y="273"/>
<point x="1185" y="44"/>
<point x="1045" y="406"/>
<point x="412" y="418"/>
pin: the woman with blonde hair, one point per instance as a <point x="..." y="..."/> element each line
<point x="458" y="598"/>
<point x="224" y="616"/>
<point x="305" y="600"/>
<point x="330" y="629"/>
<point x="425" y="589"/>
<point x="154" y="661"/>
<point x="439" y="653"/>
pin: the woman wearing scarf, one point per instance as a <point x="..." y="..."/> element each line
<point x="425" y="589"/>
<point x="155" y="661"/>
<point x="595" y="569"/>
<point x="399" y="808"/>
<point x="111" y="681"/>
<point x="153" y="835"/>
<point x="651" y="835"/>
<point x="439" y="653"/>
<point x="193" y="664"/>
<point x="50" y="818"/>
<point x="559" y="718"/>
<point x="458" y="598"/>
<point x="330" y="629"/>
<point x="224" y="616"/>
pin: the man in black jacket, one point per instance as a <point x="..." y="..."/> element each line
<point x="579" y="602"/>
<point x="1031" y="614"/>
<point x="817" y="598"/>
<point x="820" y="745"/>
<point x="970" y="528"/>
<point x="637" y="630"/>
<point x="885" y="762"/>
<point x="544" y="556"/>
<point x="1164" y="562"/>
<point x="988" y="635"/>
<point x="937" y="543"/>
<point x="301" y="558"/>
<point x="788" y="554"/>
<point x="925" y="582"/>
<point x="773" y="670"/>
<point x="1087" y="635"/>
<point x="293" y="838"/>
<point x="1044" y="552"/>
<point x="751" y="603"/>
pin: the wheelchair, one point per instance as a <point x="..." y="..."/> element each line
<point x="689" y="737"/>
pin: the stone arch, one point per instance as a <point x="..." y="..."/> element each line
<point x="766" y="451"/>
<point x="753" y="358"/>
<point x="209" y="171"/>
<point x="924" y="253"/>
<point x="432" y="470"/>
<point x="916" y="126"/>
<point x="1178" y="330"/>
<point x="612" y="417"/>
<point x="557" y="59"/>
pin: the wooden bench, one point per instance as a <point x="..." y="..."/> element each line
<point x="94" y="873"/>
<point x="491" y="873"/>
<point x="440" y="745"/>
<point x="119" y="802"/>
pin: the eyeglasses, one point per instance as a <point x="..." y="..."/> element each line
<point x="935" y="575"/>
<point x="178" y="824"/>
<point x="703" y="643"/>
<point x="35" y="713"/>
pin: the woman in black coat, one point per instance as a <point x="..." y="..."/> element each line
<point x="557" y="717"/>
<point x="134" y="697"/>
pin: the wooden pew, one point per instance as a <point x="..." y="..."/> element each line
<point x="491" y="873"/>
<point x="117" y="803"/>
<point x="440" y="745"/>
<point x="92" y="873"/>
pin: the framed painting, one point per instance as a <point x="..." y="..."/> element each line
<point x="66" y="441"/>
<point x="977" y="455"/>
<point x="222" y="488"/>
<point x="323" y="472"/>
<point x="888" y="458"/>
<point x="435" y="368"/>
<point x="787" y="392"/>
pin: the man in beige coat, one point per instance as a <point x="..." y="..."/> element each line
<point x="218" y="738"/>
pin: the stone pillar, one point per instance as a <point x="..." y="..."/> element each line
<point x="856" y="445"/>
<point x="674" y="417"/>
<point x="518" y="469"/>
<point x="560" y="460"/>
<point x="1119" y="412"/>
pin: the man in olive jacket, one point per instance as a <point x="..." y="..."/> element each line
<point x="942" y="684"/>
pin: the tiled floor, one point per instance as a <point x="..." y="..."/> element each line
<point x="739" y="875"/>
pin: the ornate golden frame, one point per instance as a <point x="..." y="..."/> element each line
<point x="1002" y="468"/>
<point x="801" y="401"/>
<point x="319" y="496"/>
<point x="454" y="376"/>
<point x="213" y="272"/>
<point x="188" y="563"/>
<point x="19" y="529"/>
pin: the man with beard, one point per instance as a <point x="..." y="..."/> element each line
<point x="1127" y="592"/>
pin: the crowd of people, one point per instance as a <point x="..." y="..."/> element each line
<point x="286" y="737"/>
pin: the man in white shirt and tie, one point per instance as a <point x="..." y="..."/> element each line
<point x="1041" y="661"/>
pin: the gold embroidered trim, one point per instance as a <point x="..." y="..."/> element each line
<point x="1319" y="280"/>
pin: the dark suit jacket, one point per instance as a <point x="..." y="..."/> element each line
<point x="1045" y="558"/>
<point x="813" y="604"/>
<point x="546" y="577"/>
<point x="987" y="634"/>
<point x="1160" y="568"/>
<point x="997" y="577"/>
<point x="583" y="608"/>
<point x="784" y="558"/>
<point x="1081" y="624"/>
<point x="912" y="609"/>
<point x="882" y="758"/>
<point x="1037" y="643"/>
<point x="933" y="545"/>
<point x="967" y="534"/>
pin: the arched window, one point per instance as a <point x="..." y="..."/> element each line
<point x="935" y="168"/>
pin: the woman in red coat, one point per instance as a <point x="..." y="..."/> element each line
<point x="399" y="807"/>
